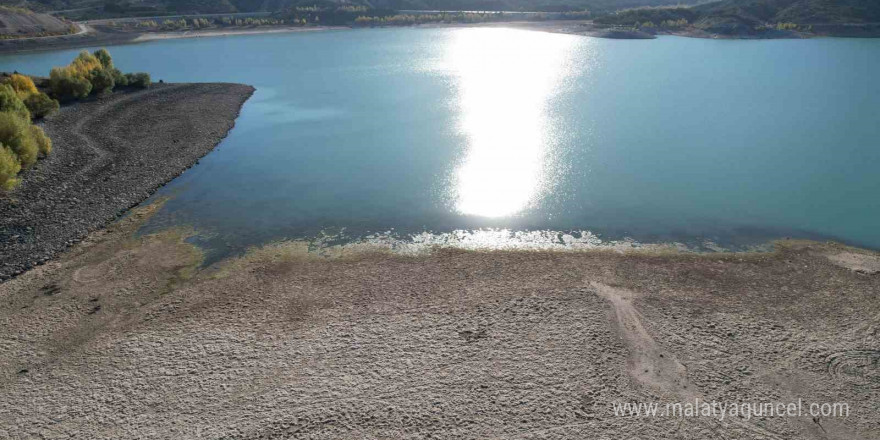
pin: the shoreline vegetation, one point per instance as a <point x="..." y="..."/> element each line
<point x="22" y="101"/>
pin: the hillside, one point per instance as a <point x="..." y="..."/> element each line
<point x="18" y="22"/>
<point x="759" y="17"/>
<point x="796" y="11"/>
<point x="84" y="9"/>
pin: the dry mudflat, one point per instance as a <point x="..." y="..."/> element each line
<point x="128" y="336"/>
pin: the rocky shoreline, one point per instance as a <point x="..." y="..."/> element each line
<point x="110" y="154"/>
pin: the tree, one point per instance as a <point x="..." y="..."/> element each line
<point x="84" y="63"/>
<point x="104" y="58"/>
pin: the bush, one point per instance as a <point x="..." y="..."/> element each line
<point x="16" y="134"/>
<point x="75" y="80"/>
<point x="40" y="105"/>
<point x="104" y="58"/>
<point x="9" y="168"/>
<point x="44" y="144"/>
<point x="10" y="102"/>
<point x="67" y="85"/>
<point x="140" y="80"/>
<point x="102" y="81"/>
<point x="118" y="77"/>
<point x="22" y="84"/>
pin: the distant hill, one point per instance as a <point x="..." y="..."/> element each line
<point x="752" y="17"/>
<point x="94" y="8"/>
<point x="721" y="17"/>
<point x="17" y="22"/>
<point x="796" y="11"/>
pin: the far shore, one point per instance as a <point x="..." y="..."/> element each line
<point x="151" y="36"/>
<point x="90" y="36"/>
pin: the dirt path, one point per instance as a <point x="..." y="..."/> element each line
<point x="649" y="364"/>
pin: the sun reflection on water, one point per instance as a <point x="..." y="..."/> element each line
<point x="505" y="80"/>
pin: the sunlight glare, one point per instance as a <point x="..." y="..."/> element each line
<point x="506" y="79"/>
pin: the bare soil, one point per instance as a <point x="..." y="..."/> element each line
<point x="14" y="23"/>
<point x="129" y="337"/>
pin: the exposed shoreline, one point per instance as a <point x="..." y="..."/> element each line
<point x="151" y="36"/>
<point x="572" y="27"/>
<point x="110" y="154"/>
<point x="127" y="336"/>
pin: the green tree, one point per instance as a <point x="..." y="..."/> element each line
<point x="104" y="58"/>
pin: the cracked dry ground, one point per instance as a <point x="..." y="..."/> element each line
<point x="128" y="337"/>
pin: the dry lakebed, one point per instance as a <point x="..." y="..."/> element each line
<point x="128" y="336"/>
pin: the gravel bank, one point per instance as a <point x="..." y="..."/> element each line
<point x="110" y="155"/>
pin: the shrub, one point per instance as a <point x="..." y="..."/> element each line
<point x="140" y="80"/>
<point x="119" y="78"/>
<point x="66" y="84"/>
<point x="9" y="168"/>
<point x="10" y="102"/>
<point x="102" y="81"/>
<point x="104" y="58"/>
<point x="44" y="144"/>
<point x="40" y="105"/>
<point x="15" y="133"/>
<point x="22" y="84"/>
<point x="74" y="80"/>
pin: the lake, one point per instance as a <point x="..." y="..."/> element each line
<point x="499" y="137"/>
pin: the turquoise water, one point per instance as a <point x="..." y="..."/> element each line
<point x="403" y="131"/>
